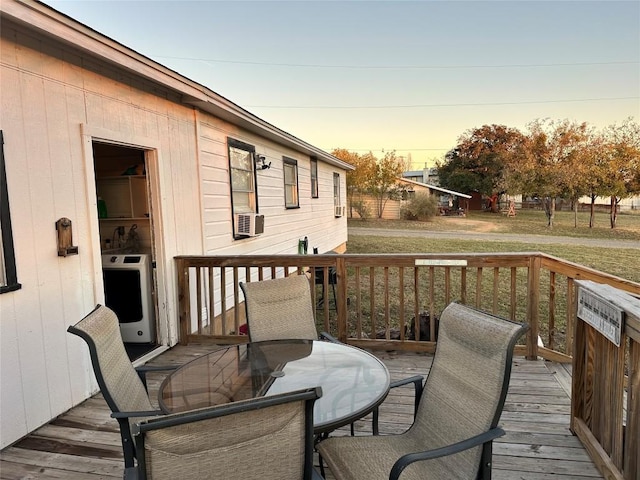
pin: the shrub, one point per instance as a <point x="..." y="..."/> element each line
<point x="421" y="207"/>
<point x="361" y="209"/>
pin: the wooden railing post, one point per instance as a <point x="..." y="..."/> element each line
<point x="533" y="302"/>
<point x="184" y="296"/>
<point x="572" y="308"/>
<point x="632" y="439"/>
<point x="341" y="274"/>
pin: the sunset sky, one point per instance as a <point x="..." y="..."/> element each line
<point x="392" y="75"/>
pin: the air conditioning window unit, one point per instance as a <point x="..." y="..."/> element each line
<point x="339" y="210"/>
<point x="249" y="224"/>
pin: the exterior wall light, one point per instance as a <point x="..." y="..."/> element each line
<point x="261" y="162"/>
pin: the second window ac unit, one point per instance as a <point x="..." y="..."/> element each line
<point x="249" y="224"/>
<point x="339" y="210"/>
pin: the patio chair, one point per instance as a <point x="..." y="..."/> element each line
<point x="457" y="417"/>
<point x="281" y="308"/>
<point x="267" y="437"/>
<point x="123" y="387"/>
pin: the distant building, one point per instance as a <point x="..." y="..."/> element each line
<point x="392" y="208"/>
<point x="427" y="175"/>
<point x="604" y="203"/>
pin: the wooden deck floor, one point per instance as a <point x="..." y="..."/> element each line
<point x="84" y="443"/>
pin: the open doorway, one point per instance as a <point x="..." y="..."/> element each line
<point x="126" y="241"/>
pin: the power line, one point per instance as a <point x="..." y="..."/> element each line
<point x="436" y="105"/>
<point x="400" y="67"/>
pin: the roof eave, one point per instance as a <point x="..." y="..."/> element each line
<point x="434" y="187"/>
<point x="232" y="113"/>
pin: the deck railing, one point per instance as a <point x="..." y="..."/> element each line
<point x="378" y="297"/>
<point x="373" y="301"/>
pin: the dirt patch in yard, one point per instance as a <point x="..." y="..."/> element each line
<point x="461" y="223"/>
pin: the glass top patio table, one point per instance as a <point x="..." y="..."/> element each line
<point x="353" y="381"/>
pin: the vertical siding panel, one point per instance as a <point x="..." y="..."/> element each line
<point x="94" y="109"/>
<point x="166" y="174"/>
<point x="64" y="271"/>
<point x="13" y="419"/>
<point x="184" y="180"/>
<point x="39" y="208"/>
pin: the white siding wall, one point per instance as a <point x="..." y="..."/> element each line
<point x="50" y="108"/>
<point x="283" y="227"/>
<point x="52" y="104"/>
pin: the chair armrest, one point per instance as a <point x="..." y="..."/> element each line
<point x="475" y="441"/>
<point x="417" y="379"/>
<point x="155" y="368"/>
<point x="417" y="383"/>
<point x="142" y="371"/>
<point x="329" y="337"/>
<point x="146" y="413"/>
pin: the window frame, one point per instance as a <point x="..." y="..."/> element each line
<point x="8" y="271"/>
<point x="313" y="172"/>
<point x="295" y="192"/>
<point x="336" y="190"/>
<point x="232" y="143"/>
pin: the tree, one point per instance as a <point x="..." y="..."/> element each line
<point x="384" y="184"/>
<point x="358" y="179"/>
<point x="376" y="177"/>
<point x="596" y="178"/>
<point x="577" y="165"/>
<point x="479" y="162"/>
<point x="552" y="162"/>
<point x="456" y="174"/>
<point x="621" y="149"/>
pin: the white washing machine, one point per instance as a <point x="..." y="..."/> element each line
<point x="128" y="292"/>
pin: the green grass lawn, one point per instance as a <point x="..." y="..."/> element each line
<point x="526" y="222"/>
<point x="622" y="262"/>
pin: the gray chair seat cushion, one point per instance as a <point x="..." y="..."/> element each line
<point x="371" y="458"/>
